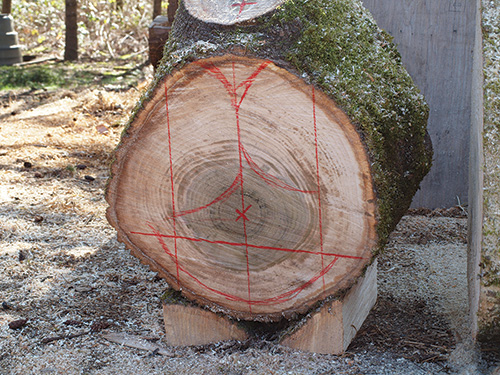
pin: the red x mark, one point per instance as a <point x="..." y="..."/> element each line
<point x="242" y="214"/>
<point x="242" y="5"/>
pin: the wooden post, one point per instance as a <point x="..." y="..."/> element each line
<point x="6" y="6"/>
<point x="484" y="254"/>
<point x="71" y="45"/>
<point x="158" y="35"/>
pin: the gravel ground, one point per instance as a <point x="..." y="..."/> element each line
<point x="65" y="274"/>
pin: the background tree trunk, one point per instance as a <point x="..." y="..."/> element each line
<point x="172" y="9"/>
<point x="268" y="163"/>
<point x="157" y="8"/>
<point x="71" y="46"/>
<point x="119" y="5"/>
<point x="7" y="6"/>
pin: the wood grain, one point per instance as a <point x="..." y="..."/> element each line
<point x="245" y="188"/>
<point x="435" y="39"/>
<point x="226" y="12"/>
<point x="189" y="325"/>
<point x="331" y="329"/>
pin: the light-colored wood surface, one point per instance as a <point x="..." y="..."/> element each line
<point x="333" y="327"/>
<point x="358" y="303"/>
<point x="322" y="333"/>
<point x="226" y="12"/>
<point x="436" y="40"/>
<point x="189" y="325"/>
<point x="246" y="188"/>
<point x="476" y="181"/>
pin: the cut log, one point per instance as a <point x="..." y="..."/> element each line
<point x="263" y="185"/>
<point x="230" y="12"/>
<point x="260" y="177"/>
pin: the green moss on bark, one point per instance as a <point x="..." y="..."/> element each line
<point x="489" y="311"/>
<point x="336" y="46"/>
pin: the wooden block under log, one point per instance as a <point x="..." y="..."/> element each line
<point x="331" y="329"/>
<point x="190" y="325"/>
<point x="328" y="330"/>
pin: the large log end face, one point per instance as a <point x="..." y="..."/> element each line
<point x="246" y="188"/>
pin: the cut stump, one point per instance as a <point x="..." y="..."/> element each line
<point x="225" y="12"/>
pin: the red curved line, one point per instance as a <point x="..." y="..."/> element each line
<point x="232" y="88"/>
<point x="221" y="198"/>
<point x="295" y="292"/>
<point x="239" y="244"/>
<point x="250" y="80"/>
<point x="270" y="179"/>
<point x="270" y="301"/>
<point x="169" y="253"/>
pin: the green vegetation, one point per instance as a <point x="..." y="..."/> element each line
<point x="71" y="75"/>
<point x="35" y="78"/>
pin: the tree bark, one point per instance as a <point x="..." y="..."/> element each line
<point x="268" y="163"/>
<point x="156" y="8"/>
<point x="6" y="6"/>
<point x="71" y="46"/>
<point x="172" y="9"/>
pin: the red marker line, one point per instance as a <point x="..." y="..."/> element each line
<point x="242" y="5"/>
<point x="269" y="301"/>
<point x="221" y="198"/>
<point x="317" y="180"/>
<point x="171" y="179"/>
<point x="270" y="179"/>
<point x="239" y="244"/>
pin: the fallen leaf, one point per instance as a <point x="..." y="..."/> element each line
<point x="16" y="324"/>
<point x="136" y="342"/>
<point x="103" y="129"/>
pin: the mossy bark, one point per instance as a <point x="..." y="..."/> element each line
<point x="489" y="309"/>
<point x="336" y="46"/>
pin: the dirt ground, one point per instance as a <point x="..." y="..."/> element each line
<point x="66" y="282"/>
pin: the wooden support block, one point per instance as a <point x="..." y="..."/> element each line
<point x="331" y="329"/>
<point x="189" y="325"/>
